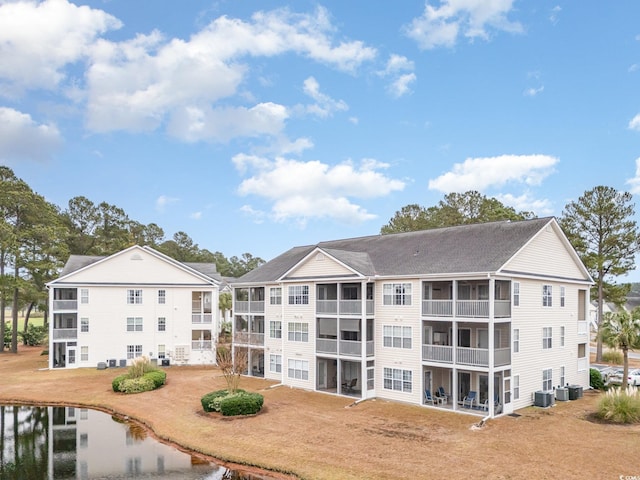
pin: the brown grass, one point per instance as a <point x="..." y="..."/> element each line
<point x="318" y="436"/>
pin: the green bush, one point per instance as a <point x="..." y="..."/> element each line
<point x="115" y="383"/>
<point x="243" y="403"/>
<point x="158" y="377"/>
<point x="620" y="406"/>
<point x="595" y="379"/>
<point x="612" y="356"/>
<point x="35" y="335"/>
<point x="211" y="401"/>
<point x="136" y="385"/>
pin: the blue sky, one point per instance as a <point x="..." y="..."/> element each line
<point x="258" y="126"/>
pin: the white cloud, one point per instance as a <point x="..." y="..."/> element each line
<point x="635" y="181"/>
<point x="354" y="120"/>
<point x="402" y="85"/>
<point x="22" y="138"/>
<point x="195" y="215"/>
<point x="634" y="124"/>
<point x="300" y="190"/>
<point x="163" y="200"/>
<point x="524" y="202"/>
<point x="482" y="173"/>
<point x="532" y="92"/>
<point x="325" y="106"/>
<point x="39" y="39"/>
<point x="554" y="16"/>
<point x="396" y="68"/>
<point x="442" y="25"/>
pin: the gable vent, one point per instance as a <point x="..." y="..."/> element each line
<point x="136" y="256"/>
<point x="320" y="257"/>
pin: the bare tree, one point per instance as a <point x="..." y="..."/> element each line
<point x="233" y="364"/>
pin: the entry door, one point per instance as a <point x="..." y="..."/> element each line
<point x="71" y="356"/>
<point x="464" y="384"/>
<point x="322" y="374"/>
<point x="427" y="380"/>
<point x="464" y="337"/>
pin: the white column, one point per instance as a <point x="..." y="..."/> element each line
<point x="491" y="334"/>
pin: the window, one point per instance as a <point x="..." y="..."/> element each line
<point x="562" y="296"/>
<point x="134" y="324"/>
<point x="84" y="295"/>
<point x="275" y="296"/>
<point x="547" y="334"/>
<point x="562" y="336"/>
<point x="397" y="379"/>
<point x="162" y="297"/>
<point x="162" y="324"/>
<point x="84" y="325"/>
<point x="84" y="440"/>
<point x="134" y="351"/>
<point x="547" y="380"/>
<point x="516" y="294"/>
<point x="299" y="295"/>
<point x="299" y="369"/>
<point x="275" y="363"/>
<point x="562" y="377"/>
<point x="547" y="296"/>
<point x="134" y="297"/>
<point x="84" y="354"/>
<point x="396" y="336"/>
<point x="396" y="294"/>
<point x="516" y="387"/>
<point x="298" y="332"/>
<point x="275" y="329"/>
<point x="162" y="351"/>
<point x="516" y="340"/>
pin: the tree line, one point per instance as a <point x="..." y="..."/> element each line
<point x="37" y="237"/>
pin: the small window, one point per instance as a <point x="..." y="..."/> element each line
<point x="298" y="369"/>
<point x="298" y="332"/>
<point x="516" y="340"/>
<point x="516" y="387"/>
<point x="162" y="351"/>
<point x="275" y="296"/>
<point x="562" y="294"/>
<point x="547" y="380"/>
<point x="299" y="295"/>
<point x="134" y="324"/>
<point x="134" y="297"/>
<point x="516" y="294"/>
<point x="134" y="351"/>
<point x="547" y="296"/>
<point x="84" y="325"/>
<point x="275" y="363"/>
<point x="562" y="377"/>
<point x="275" y="329"/>
<point x="547" y="337"/>
<point x="162" y="324"/>
<point x="84" y="354"/>
<point x="84" y="295"/>
<point x="396" y="336"/>
<point x="398" y="379"/>
<point x="162" y="297"/>
<point x="562" y="336"/>
<point x="396" y="294"/>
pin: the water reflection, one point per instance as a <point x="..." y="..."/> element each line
<point x="41" y="443"/>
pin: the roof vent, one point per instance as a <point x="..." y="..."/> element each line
<point x="320" y="256"/>
<point x="136" y="256"/>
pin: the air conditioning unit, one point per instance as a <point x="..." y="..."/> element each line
<point x="543" y="399"/>
<point x="165" y="362"/>
<point x="562" y="394"/>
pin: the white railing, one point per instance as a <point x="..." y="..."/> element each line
<point x="326" y="345"/>
<point x="65" y="304"/>
<point x="370" y="307"/>
<point x="65" y="333"/>
<point x="241" y="306"/>
<point x="327" y="306"/>
<point x="351" y="307"/>
<point x="582" y="327"/>
<point x="437" y="353"/>
<point x="371" y="348"/>
<point x="201" y="318"/>
<point x="246" y="338"/>
<point x="478" y="357"/>
<point x="350" y="347"/>
<point x="472" y="308"/>
<point x="256" y="306"/>
<point x="201" y="345"/>
<point x="437" y="308"/>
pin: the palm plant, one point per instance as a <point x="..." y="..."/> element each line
<point x="621" y="330"/>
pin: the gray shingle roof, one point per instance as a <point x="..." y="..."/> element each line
<point x="76" y="262"/>
<point x="474" y="248"/>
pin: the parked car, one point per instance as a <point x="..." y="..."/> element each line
<point x="632" y="379"/>
<point x="605" y="371"/>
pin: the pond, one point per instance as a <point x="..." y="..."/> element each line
<point x="47" y="443"/>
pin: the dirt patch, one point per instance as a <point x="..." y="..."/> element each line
<point x="316" y="436"/>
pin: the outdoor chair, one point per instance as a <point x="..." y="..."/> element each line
<point x="470" y="400"/>
<point x="349" y="385"/>
<point x="428" y="398"/>
<point x="440" y="393"/>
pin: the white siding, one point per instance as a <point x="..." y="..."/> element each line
<point x="546" y="254"/>
<point x="319" y="265"/>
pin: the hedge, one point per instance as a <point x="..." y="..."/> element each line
<point x="244" y="403"/>
<point x="211" y="401"/>
<point x="149" y="381"/>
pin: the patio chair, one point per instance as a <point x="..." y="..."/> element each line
<point x="442" y="394"/>
<point x="497" y="406"/>
<point x="470" y="400"/>
<point x="349" y="385"/>
<point x="428" y="398"/>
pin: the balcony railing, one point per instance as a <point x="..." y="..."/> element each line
<point x="347" y="347"/>
<point x="256" y="306"/>
<point x="437" y="353"/>
<point x="243" y="306"/>
<point x="582" y="327"/>
<point x="350" y="307"/>
<point x="327" y="306"/>
<point x="350" y="347"/>
<point x="502" y="356"/>
<point x="326" y="345"/>
<point x="65" y="304"/>
<point x="201" y="318"/>
<point x="347" y="307"/>
<point x="201" y="345"/>
<point x="245" y="338"/>
<point x="466" y="308"/>
<point x="65" y="333"/>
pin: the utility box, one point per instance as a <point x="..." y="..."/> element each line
<point x="574" y="392"/>
<point x="562" y="394"/>
<point x="112" y="363"/>
<point x="543" y="399"/>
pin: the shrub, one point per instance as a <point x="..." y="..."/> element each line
<point x="115" y="383"/>
<point x="595" y="379"/>
<point x="35" y="335"/>
<point x="243" y="403"/>
<point x="136" y="385"/>
<point x="158" y="377"/>
<point x="620" y="406"/>
<point x="612" y="356"/>
<point x="211" y="401"/>
<point x="140" y="366"/>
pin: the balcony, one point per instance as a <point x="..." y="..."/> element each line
<point x="246" y="338"/>
<point x="65" y="333"/>
<point x="201" y="318"/>
<point x="476" y="357"/>
<point x="351" y="348"/>
<point x="466" y="308"/>
<point x="65" y="304"/>
<point x="347" y="307"/>
<point x="201" y="345"/>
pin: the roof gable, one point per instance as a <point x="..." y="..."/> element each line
<point x="326" y="263"/>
